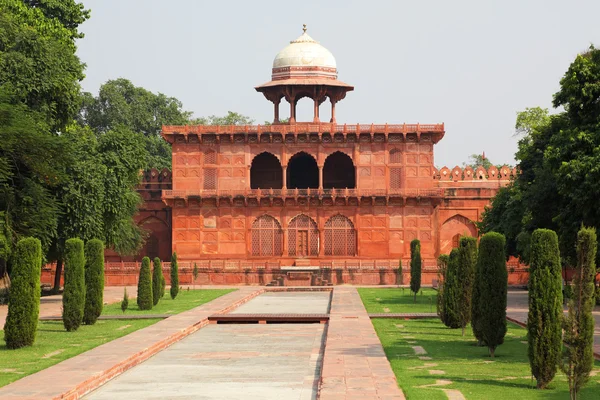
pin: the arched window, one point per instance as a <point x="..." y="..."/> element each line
<point x="303" y="237"/>
<point x="340" y="237"/>
<point x="152" y="246"/>
<point x="266" y="172"/>
<point x="338" y="172"/>
<point x="302" y="172"/>
<point x="267" y="237"/>
<point x="395" y="156"/>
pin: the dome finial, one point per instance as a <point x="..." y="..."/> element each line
<point x="304" y="28"/>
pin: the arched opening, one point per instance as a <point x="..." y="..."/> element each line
<point x="303" y="237"/>
<point x="339" y="172"/>
<point x="340" y="237"/>
<point x="451" y="231"/>
<point x="266" y="172"/>
<point x="304" y="110"/>
<point x="455" y="241"/>
<point x="302" y="172"/>
<point x="267" y="237"/>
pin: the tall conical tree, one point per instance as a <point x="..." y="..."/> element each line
<point x="157" y="277"/>
<point x="452" y="292"/>
<point x="144" y="294"/>
<point x="74" y="293"/>
<point x="442" y="263"/>
<point x="94" y="281"/>
<point x="415" y="267"/>
<point x="578" y="357"/>
<point x="174" y="276"/>
<point x="467" y="259"/>
<point x="545" y="307"/>
<point x="24" y="296"/>
<point x="493" y="286"/>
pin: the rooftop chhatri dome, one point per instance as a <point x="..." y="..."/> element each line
<point x="305" y="52"/>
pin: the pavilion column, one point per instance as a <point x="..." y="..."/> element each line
<point x="276" y="118"/>
<point x="320" y="177"/>
<point x="316" y="111"/>
<point x="293" y="111"/>
<point x="284" y="177"/>
<point x="333" y="111"/>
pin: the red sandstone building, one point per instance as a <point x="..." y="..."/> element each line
<point x="308" y="202"/>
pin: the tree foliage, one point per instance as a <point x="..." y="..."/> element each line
<point x="174" y="276"/>
<point x="74" y="293"/>
<point x="558" y="157"/>
<point x="415" y="267"/>
<point x="452" y="292"/>
<point x="144" y="292"/>
<point x="442" y="264"/>
<point x="492" y="279"/>
<point x="578" y="356"/>
<point x="545" y="307"/>
<point x="465" y="274"/>
<point x="24" y="299"/>
<point x="94" y="281"/>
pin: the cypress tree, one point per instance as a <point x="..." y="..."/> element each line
<point x="24" y="296"/>
<point x="545" y="306"/>
<point x="74" y="293"/>
<point x="493" y="287"/>
<point x="452" y="292"/>
<point x="442" y="263"/>
<point x="94" y="281"/>
<point x="478" y="287"/>
<point x="174" y="276"/>
<point x="415" y="267"/>
<point x="144" y="292"/>
<point x="125" y="301"/>
<point x="578" y="357"/>
<point x="157" y="279"/>
<point x="163" y="285"/>
<point x="467" y="259"/>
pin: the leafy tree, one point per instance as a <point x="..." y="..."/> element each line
<point x="493" y="286"/>
<point x="545" y="307"/>
<point x="144" y="292"/>
<point x="94" y="281"/>
<point x="578" y="356"/>
<point x="442" y="263"/>
<point x="476" y="160"/>
<point x="531" y="120"/>
<point x="452" y="292"/>
<point x="125" y="301"/>
<point x="415" y="267"/>
<point x="68" y="12"/>
<point x="74" y="293"/>
<point x="232" y="118"/>
<point x="174" y="276"/>
<point x="195" y="273"/>
<point x="157" y="278"/>
<point x="24" y="298"/>
<point x="465" y="274"/>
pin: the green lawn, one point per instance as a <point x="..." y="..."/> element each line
<point x="457" y="359"/>
<point x="184" y="301"/>
<point x="53" y="344"/>
<point x="398" y="300"/>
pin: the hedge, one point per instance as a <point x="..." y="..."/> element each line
<point x="74" y="293"/>
<point x="144" y="292"/>
<point x="94" y="281"/>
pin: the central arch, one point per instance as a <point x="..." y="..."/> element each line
<point x="302" y="172"/>
<point x="339" y="172"/>
<point x="266" y="172"/>
<point x="303" y="237"/>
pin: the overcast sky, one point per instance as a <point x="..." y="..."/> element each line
<point x="470" y="64"/>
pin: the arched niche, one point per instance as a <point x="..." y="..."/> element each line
<point x="340" y="237"/>
<point x="339" y="172"/>
<point x="267" y="237"/>
<point x="302" y="172"/>
<point x="266" y="172"/>
<point x="451" y="231"/>
<point x="303" y="237"/>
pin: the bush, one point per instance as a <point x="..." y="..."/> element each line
<point x="74" y="292"/>
<point x="415" y="267"/>
<point x="157" y="279"/>
<point x="452" y="292"/>
<point x="125" y="301"/>
<point x="174" y="276"/>
<point x="163" y="285"/>
<point x="578" y="358"/>
<point x="568" y="291"/>
<point x="144" y="294"/>
<point x="465" y="276"/>
<point x="94" y="281"/>
<point x="442" y="263"/>
<point x="24" y="297"/>
<point x="545" y="307"/>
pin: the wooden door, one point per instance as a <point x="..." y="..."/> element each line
<point x="302" y="243"/>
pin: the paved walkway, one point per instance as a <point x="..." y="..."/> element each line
<point x="518" y="306"/>
<point x="77" y="375"/>
<point x="354" y="363"/>
<point x="287" y="303"/>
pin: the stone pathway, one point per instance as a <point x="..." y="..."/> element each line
<point x="75" y="376"/>
<point x="287" y="303"/>
<point x="354" y="363"/>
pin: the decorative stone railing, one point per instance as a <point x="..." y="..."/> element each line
<point x="466" y="174"/>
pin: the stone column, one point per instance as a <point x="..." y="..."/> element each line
<point x="333" y="111"/>
<point x="316" y="111"/>
<point x="284" y="177"/>
<point x="320" y="177"/>
<point x="293" y="111"/>
<point x="276" y="105"/>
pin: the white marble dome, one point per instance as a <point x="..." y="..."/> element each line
<point x="304" y="52"/>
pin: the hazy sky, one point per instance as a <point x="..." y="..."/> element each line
<point x="470" y="64"/>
